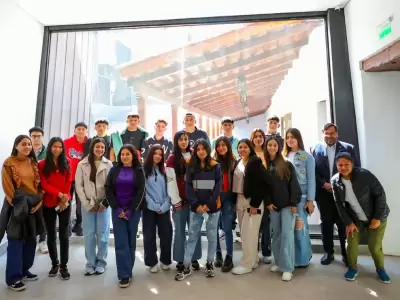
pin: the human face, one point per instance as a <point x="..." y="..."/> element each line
<point x="160" y="128"/>
<point x="272" y="148"/>
<point x="80" y="132"/>
<point x="190" y="122"/>
<point x="243" y="150"/>
<point x="291" y="141"/>
<point x="222" y="149"/>
<point x="37" y="139"/>
<point x="126" y="157"/>
<point x="344" y="166"/>
<point x="183" y="142"/>
<point x="273" y="126"/>
<point x="227" y="129"/>
<point x="330" y="136"/>
<point x="101" y="129"/>
<point x="158" y="154"/>
<point x="133" y="122"/>
<point x="258" y="139"/>
<point x="99" y="149"/>
<point x="201" y="152"/>
<point x="24" y="147"/>
<point x="56" y="149"/>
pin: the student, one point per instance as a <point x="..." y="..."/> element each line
<point x="158" y="138"/>
<point x="361" y="203"/>
<point x="101" y="127"/>
<point x="257" y="138"/>
<point x="21" y="209"/>
<point x="286" y="195"/>
<point x="194" y="132"/>
<point x="156" y="217"/>
<point x="304" y="165"/>
<point x="56" y="180"/>
<point x="227" y="126"/>
<point x="125" y="189"/>
<point x="251" y="184"/>
<point x="176" y="172"/>
<point x="272" y="130"/>
<point x="225" y="157"/>
<point x="74" y="149"/>
<point x="203" y="188"/>
<point x="90" y="179"/>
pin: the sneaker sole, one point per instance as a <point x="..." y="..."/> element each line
<point x="52" y="275"/>
<point x="352" y="279"/>
<point x="30" y="279"/>
<point x="124" y="286"/>
<point x="17" y="289"/>
<point x="65" y="278"/>
<point x="184" y="277"/>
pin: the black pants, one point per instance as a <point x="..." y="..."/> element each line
<point x="153" y="222"/>
<point x="78" y="206"/>
<point x="330" y="217"/>
<point x="50" y="219"/>
<point x="42" y="237"/>
<point x="265" y="234"/>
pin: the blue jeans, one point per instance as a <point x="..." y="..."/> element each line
<point x="96" y="232"/>
<point x="196" y="221"/>
<point x="302" y="236"/>
<point x="282" y="225"/>
<point x="125" y="242"/>
<point x="181" y="218"/>
<point x="226" y="219"/>
<point x="20" y="258"/>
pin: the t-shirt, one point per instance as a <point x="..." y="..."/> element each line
<point x="186" y="157"/>
<point x="225" y="182"/>
<point x="124" y="187"/>
<point x="134" y="138"/>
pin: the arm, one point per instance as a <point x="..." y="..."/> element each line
<point x="48" y="188"/>
<point x="344" y="216"/>
<point x="140" y="183"/>
<point x="143" y="146"/>
<point x="112" y="155"/>
<point x="379" y="197"/>
<point x="7" y="183"/>
<point x="68" y="183"/>
<point x="190" y="193"/>
<point x="80" y="188"/>
<point x="172" y="186"/>
<point x="311" y="179"/>
<point x="252" y="180"/>
<point x="166" y="205"/>
<point x="294" y="187"/>
<point x="218" y="184"/>
<point x="110" y="189"/>
<point x="320" y="180"/>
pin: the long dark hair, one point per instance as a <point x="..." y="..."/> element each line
<point x="253" y="135"/>
<point x="135" y="156"/>
<point x="62" y="161"/>
<point x="179" y="162"/>
<point x="226" y="160"/>
<point x="297" y="135"/>
<point x="250" y="145"/>
<point x="93" y="168"/>
<point x="149" y="162"/>
<point x="18" y="139"/>
<point x="195" y="163"/>
<point x="281" y="165"/>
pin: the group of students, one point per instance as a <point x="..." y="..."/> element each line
<point x="266" y="182"/>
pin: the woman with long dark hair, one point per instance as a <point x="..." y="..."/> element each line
<point x="156" y="216"/>
<point x="176" y="171"/>
<point x="90" y="180"/>
<point x="125" y="189"/>
<point x="56" y="180"/>
<point x="21" y="215"/>
<point x="223" y="154"/>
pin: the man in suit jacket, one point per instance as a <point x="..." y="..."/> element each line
<point x="325" y="167"/>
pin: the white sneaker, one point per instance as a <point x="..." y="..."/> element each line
<point x="287" y="276"/>
<point x="255" y="266"/>
<point x="240" y="270"/>
<point x="154" y="269"/>
<point x="43" y="248"/>
<point x="274" y="268"/>
<point x="267" y="260"/>
<point x="164" y="267"/>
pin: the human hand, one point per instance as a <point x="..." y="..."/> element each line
<point x="310" y="206"/>
<point x="271" y="207"/>
<point x="62" y="205"/>
<point x="350" y="230"/>
<point x="35" y="209"/>
<point x="294" y="209"/>
<point x="178" y="206"/>
<point x="205" y="208"/>
<point x="102" y="208"/>
<point x="328" y="187"/>
<point x="253" y="210"/>
<point x="64" y="198"/>
<point x="375" y="223"/>
<point x="200" y="209"/>
<point x="94" y="208"/>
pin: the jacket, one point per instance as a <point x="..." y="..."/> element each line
<point x="157" y="198"/>
<point x="42" y="154"/>
<point x="88" y="192"/>
<point x="204" y="187"/>
<point x="116" y="141"/>
<point x="304" y="164"/>
<point x="235" y="143"/>
<point x="369" y="192"/>
<point x="74" y="151"/>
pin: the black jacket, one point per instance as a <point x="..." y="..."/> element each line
<point x="139" y="200"/>
<point x="369" y="192"/>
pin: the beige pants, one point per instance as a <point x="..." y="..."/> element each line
<point x="249" y="231"/>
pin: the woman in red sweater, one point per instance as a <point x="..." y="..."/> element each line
<point x="56" y="180"/>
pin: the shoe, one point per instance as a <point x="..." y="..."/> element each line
<point x="99" y="270"/>
<point x="30" y="277"/>
<point x="183" y="274"/>
<point x="240" y="270"/>
<point x="43" y="247"/>
<point x="255" y="266"/>
<point x="54" y="271"/>
<point x="383" y="276"/>
<point x="195" y="265"/>
<point x="351" y="274"/>
<point x="164" y="267"/>
<point x="218" y="259"/>
<point x="64" y="274"/>
<point x="124" y="282"/>
<point x="78" y="230"/>
<point x="267" y="260"/>
<point x="274" y="268"/>
<point x="327" y="259"/>
<point x="287" y="276"/>
<point x="89" y="271"/>
<point x="228" y="264"/>
<point x="180" y="266"/>
<point x="154" y="269"/>
<point x="18" y="286"/>
<point x="209" y="270"/>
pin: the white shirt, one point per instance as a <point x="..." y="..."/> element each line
<point x="352" y="200"/>
<point x="331" y="151"/>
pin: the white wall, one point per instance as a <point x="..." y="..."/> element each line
<point x="243" y="130"/>
<point x="377" y="104"/>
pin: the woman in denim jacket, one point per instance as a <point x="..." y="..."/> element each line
<point x="304" y="165"/>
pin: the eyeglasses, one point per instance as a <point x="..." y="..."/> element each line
<point x="34" y="136"/>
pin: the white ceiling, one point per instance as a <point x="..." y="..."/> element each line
<point x="64" y="12"/>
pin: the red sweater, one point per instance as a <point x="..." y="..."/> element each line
<point x="56" y="183"/>
<point x="74" y="151"/>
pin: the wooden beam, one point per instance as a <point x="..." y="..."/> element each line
<point x="386" y="59"/>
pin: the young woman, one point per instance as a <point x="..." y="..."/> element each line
<point x="224" y="156"/>
<point x="90" y="178"/>
<point x="251" y="185"/>
<point x="304" y="165"/>
<point x="56" y="180"/>
<point x="125" y="189"/>
<point x="257" y="138"/>
<point x="20" y="181"/>
<point x="176" y="171"/>
<point x="286" y="195"/>
<point x="203" y="188"/>
<point x="156" y="217"/>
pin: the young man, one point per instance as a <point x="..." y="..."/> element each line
<point x="160" y="127"/>
<point x="74" y="149"/>
<point x="194" y="132"/>
<point x="36" y="133"/>
<point x="133" y="135"/>
<point x="227" y="125"/>
<point x="101" y="127"/>
<point x="272" y="129"/>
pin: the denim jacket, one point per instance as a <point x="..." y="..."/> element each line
<point x="304" y="165"/>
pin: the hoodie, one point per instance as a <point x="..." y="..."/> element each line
<point x="157" y="198"/>
<point x="74" y="151"/>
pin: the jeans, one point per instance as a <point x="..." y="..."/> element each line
<point x="20" y="258"/>
<point x="96" y="231"/>
<point x="50" y="219"/>
<point x="282" y="225"/>
<point x="78" y="206"/>
<point x="196" y="221"/>
<point x="226" y="220"/>
<point x="125" y="242"/>
<point x="302" y="235"/>
<point x="161" y="223"/>
<point x="181" y="218"/>
<point x="375" y="237"/>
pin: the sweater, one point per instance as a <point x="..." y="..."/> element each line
<point x="157" y="198"/>
<point x="75" y="152"/>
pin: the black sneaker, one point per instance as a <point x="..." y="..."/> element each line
<point x="64" y="274"/>
<point x="54" y="271"/>
<point x="327" y="259"/>
<point x="30" y="277"/>
<point x="218" y="260"/>
<point x="209" y="270"/>
<point x="195" y="265"/>
<point x="78" y="230"/>
<point x="228" y="264"/>
<point x="124" y="283"/>
<point x="180" y="266"/>
<point x="183" y="274"/>
<point x="18" y="286"/>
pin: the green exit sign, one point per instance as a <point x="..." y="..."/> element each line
<point x="385" y="31"/>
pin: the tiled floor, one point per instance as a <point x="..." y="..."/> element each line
<point x="317" y="282"/>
